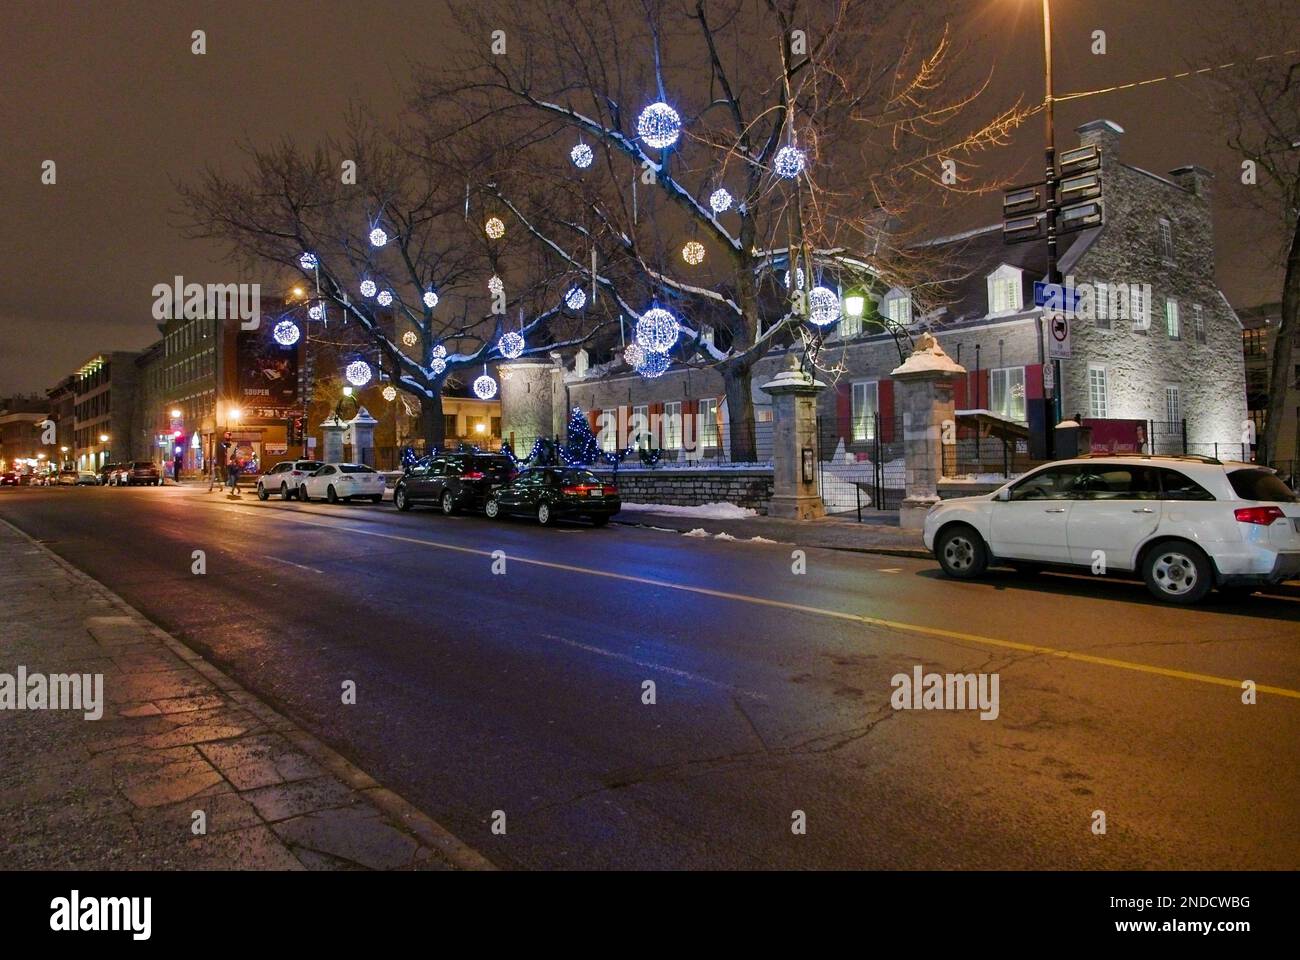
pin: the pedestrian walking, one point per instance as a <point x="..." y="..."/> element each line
<point x="232" y="476"/>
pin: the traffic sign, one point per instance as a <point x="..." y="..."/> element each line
<point x="1058" y="340"/>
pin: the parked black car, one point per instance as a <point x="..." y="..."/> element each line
<point x="553" y="493"/>
<point x="454" y="481"/>
<point x="141" y="473"/>
<point x="107" y="471"/>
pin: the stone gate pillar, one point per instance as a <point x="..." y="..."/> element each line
<point x="333" y="429"/>
<point x="926" y="378"/>
<point x="361" y="432"/>
<point x="794" y="444"/>
<point x="532" y="391"/>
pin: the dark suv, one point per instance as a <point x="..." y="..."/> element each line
<point x="143" y="472"/>
<point x="454" y="481"/>
<point x="552" y="493"/>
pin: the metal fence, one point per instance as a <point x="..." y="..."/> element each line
<point x="860" y="463"/>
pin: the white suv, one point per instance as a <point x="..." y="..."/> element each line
<point x="286" y="478"/>
<point x="1186" y="524"/>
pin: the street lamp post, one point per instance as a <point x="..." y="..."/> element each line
<point x="1053" y="275"/>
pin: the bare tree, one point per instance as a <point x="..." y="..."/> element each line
<point x="378" y="232"/>
<point x="1260" y="101"/>
<point x="828" y="138"/>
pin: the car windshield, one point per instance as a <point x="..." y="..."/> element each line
<point x="308" y="465"/>
<point x="1263" y="485"/>
<point x="583" y="477"/>
<point x="354" y="468"/>
<point x="494" y="467"/>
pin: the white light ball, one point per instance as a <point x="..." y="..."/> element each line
<point x="634" y="355"/>
<point x="657" y="330"/>
<point x="368" y="288"/>
<point x="409" y="338"/>
<point x="438" y="365"/>
<point x="286" y="333"/>
<point x="316" y="311"/>
<point x="693" y="253"/>
<point x="823" y="306"/>
<point x="495" y="286"/>
<point x="440" y="351"/>
<point x="358" y="373"/>
<point x="485" y="388"/>
<point x="576" y="298"/>
<point x="720" y="200"/>
<point x="378" y="238"/>
<point x="654" y="365"/>
<point x="430" y="299"/>
<point x="494" y="228"/>
<point x="308" y="261"/>
<point x="659" y="125"/>
<point x="789" y="162"/>
<point x="385" y="298"/>
<point x="511" y="345"/>
<point x="390" y="393"/>
<point x="581" y="156"/>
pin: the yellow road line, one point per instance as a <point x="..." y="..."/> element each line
<point x="822" y="612"/>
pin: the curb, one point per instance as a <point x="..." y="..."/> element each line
<point x="403" y="813"/>
<point x="913" y="553"/>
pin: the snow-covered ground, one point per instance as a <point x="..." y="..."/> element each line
<point x="705" y="511"/>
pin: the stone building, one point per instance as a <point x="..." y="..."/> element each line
<point x="1154" y="343"/>
<point x="104" y="410"/>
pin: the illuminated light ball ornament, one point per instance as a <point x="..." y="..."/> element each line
<point x="581" y="156"/>
<point x="316" y="311"/>
<point x="654" y="365"/>
<point x="657" y="330"/>
<point x="720" y="200"/>
<point x="358" y="373"/>
<point x="823" y="306"/>
<point x="634" y="355"/>
<point x="659" y="125"/>
<point x="693" y="252"/>
<point x="409" y="338"/>
<point x="390" y="393"/>
<point x="440" y="351"/>
<point x="494" y="228"/>
<point x="378" y="238"/>
<point x="789" y="162"/>
<point x="576" y="298"/>
<point x="286" y="333"/>
<point x="308" y="261"/>
<point x="368" y="288"/>
<point x="798" y="279"/>
<point x="485" y="388"/>
<point x="438" y="365"/>
<point x="430" y="299"/>
<point x="495" y="286"/>
<point x="385" y="298"/>
<point x="511" y="345"/>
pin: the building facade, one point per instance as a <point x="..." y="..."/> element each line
<point x="1258" y="338"/>
<point x="22" y="435"/>
<point x="1154" y="343"/>
<point x="104" y="401"/>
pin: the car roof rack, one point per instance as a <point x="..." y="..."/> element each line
<point x="1197" y="457"/>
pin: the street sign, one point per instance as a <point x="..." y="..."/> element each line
<point x="1049" y="377"/>
<point x="1056" y="296"/>
<point x="1058" y="340"/>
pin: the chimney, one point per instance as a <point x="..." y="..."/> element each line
<point x="1195" y="180"/>
<point x="1104" y="133"/>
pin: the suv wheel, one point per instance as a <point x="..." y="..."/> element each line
<point x="961" y="552"/>
<point x="399" y="498"/>
<point x="284" y="491"/>
<point x="1177" y="572"/>
<point x="544" y="516"/>
<point x="261" y="493"/>
<point x="331" y="494"/>
<point x="492" y="508"/>
<point x="448" y="503"/>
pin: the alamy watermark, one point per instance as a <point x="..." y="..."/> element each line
<point x="55" y="691"/>
<point x="946" y="691"/>
<point x="216" y="301"/>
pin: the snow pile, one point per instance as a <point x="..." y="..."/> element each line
<point x="760" y="540"/>
<point x="705" y="511"/>
<point x="723" y="536"/>
<point x="697" y="532"/>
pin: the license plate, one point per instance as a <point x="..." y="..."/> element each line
<point x="595" y="493"/>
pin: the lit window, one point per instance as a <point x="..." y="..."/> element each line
<point x="1172" y="325"/>
<point x="709" y="422"/>
<point x="1007" y="393"/>
<point x="1173" y="404"/>
<point x="898" y="307"/>
<point x="1139" y="307"/>
<point x="673" y="425"/>
<point x="1005" y="293"/>
<point x="1166" y="240"/>
<point x="866" y="404"/>
<point x="1098" y="397"/>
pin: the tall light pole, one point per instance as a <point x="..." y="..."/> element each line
<point x="1053" y="274"/>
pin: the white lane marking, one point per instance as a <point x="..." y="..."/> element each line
<point x="267" y="556"/>
<point x="651" y="665"/>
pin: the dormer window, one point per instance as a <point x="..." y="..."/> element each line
<point x="897" y="306"/>
<point x="1006" y="290"/>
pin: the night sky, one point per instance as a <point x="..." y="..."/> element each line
<point x="111" y="92"/>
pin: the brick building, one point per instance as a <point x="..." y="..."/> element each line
<point x="1155" y="341"/>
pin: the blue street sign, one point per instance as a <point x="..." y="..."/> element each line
<point x="1055" y="296"/>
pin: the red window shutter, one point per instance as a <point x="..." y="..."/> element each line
<point x="656" y="425"/>
<point x="844" y="411"/>
<point x="886" y="398"/>
<point x="1034" y="382"/>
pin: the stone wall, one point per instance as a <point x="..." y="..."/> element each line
<point x="691" y="488"/>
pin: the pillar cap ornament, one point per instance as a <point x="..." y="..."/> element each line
<point x="928" y="362"/>
<point x="793" y="379"/>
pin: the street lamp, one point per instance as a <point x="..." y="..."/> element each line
<point x="855" y="302"/>
<point x="103" y="438"/>
<point x="176" y="414"/>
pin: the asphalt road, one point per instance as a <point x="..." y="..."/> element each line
<point x="522" y="691"/>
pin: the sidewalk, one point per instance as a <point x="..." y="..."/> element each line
<point x="878" y="533"/>
<point x="176" y="736"/>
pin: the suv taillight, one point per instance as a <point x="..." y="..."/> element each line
<point x="1261" y="515"/>
<point x="574" y="491"/>
<point x="472" y="475"/>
